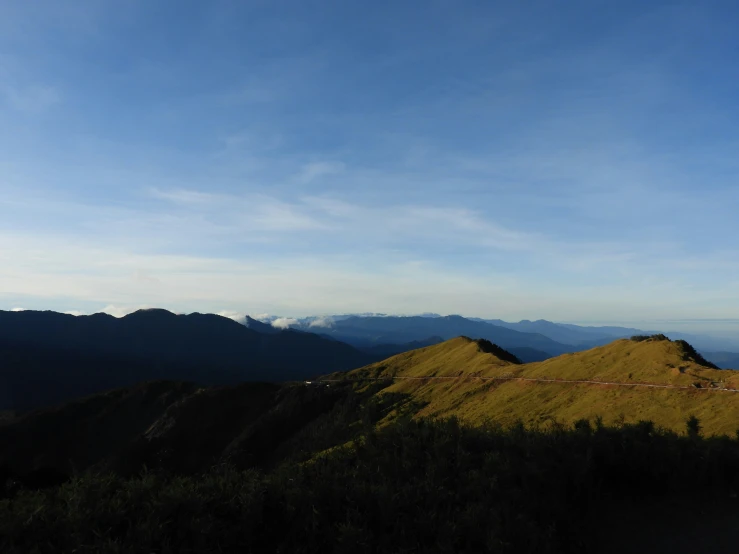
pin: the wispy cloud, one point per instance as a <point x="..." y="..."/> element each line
<point x="321" y="323"/>
<point x="30" y="99"/>
<point x="255" y="212"/>
<point x="371" y="225"/>
<point x="311" y="171"/>
<point x="45" y="273"/>
<point x="189" y="197"/>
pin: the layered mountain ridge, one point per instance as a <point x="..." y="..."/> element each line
<point x="186" y="427"/>
<point x="50" y="357"/>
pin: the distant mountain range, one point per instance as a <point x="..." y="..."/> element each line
<point x="725" y="360"/>
<point x="376" y="329"/>
<point x="48" y="357"/>
<point x="370" y="331"/>
<point x="575" y="335"/>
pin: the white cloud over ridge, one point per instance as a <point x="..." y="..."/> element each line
<point x="284" y="322"/>
<point x="122" y="310"/>
<point x="264" y="318"/>
<point x="321" y="322"/>
<point x="232" y="314"/>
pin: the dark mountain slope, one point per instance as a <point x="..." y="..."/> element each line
<point x="182" y="428"/>
<point x="387" y="350"/>
<point x="48" y="357"/>
<point x="74" y="436"/>
<point x="34" y="376"/>
<point x="259" y="326"/>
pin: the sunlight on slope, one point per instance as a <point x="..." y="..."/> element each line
<point x="455" y="357"/>
<point x="623" y="361"/>
<point x="629" y="361"/>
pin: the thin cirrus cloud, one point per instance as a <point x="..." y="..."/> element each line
<point x="257" y="210"/>
<point x="31" y="98"/>
<point x="379" y="225"/>
<point x="313" y="170"/>
<point x="319" y="280"/>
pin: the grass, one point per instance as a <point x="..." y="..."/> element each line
<point x="627" y="361"/>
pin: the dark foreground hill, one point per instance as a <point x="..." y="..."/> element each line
<point x="48" y="357"/>
<point x="306" y="468"/>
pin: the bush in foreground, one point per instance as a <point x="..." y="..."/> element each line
<point x="414" y="486"/>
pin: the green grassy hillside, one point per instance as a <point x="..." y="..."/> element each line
<point x="472" y="396"/>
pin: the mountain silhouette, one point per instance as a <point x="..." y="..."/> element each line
<point x="49" y="356"/>
<point x="260" y="326"/>
<point x="164" y="424"/>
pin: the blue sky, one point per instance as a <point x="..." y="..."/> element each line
<point x="572" y="161"/>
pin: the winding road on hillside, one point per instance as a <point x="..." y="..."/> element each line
<point x="535" y="380"/>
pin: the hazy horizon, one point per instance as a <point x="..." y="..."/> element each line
<point x="519" y="161"/>
<point x="719" y="328"/>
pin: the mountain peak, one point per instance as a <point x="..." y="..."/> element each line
<point x="259" y="326"/>
<point x="150" y="313"/>
<point x="454" y="357"/>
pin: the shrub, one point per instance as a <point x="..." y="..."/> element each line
<point x="414" y="485"/>
<point x="693" y="426"/>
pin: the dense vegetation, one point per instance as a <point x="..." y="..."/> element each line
<point x="643" y="338"/>
<point x="412" y="486"/>
<point x="497" y="351"/>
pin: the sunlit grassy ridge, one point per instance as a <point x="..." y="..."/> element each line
<point x="455" y="357"/>
<point x="652" y="361"/>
